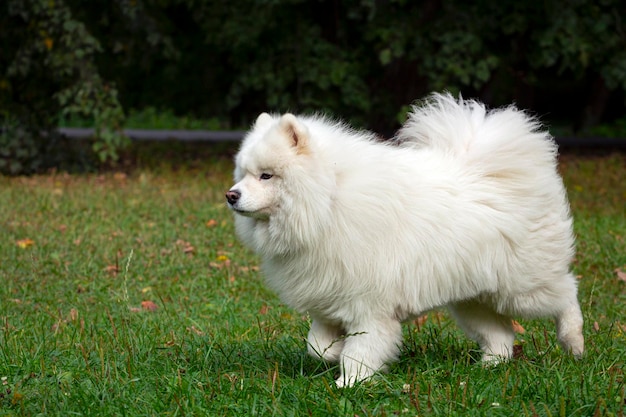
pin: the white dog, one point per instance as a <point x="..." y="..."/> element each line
<point x="464" y="209"/>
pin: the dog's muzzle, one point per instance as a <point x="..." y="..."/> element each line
<point x="233" y="196"/>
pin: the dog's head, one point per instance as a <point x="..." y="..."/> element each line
<point x="269" y="149"/>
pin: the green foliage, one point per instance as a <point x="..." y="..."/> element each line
<point x="18" y="148"/>
<point x="361" y="60"/>
<point x="50" y="69"/>
<point x="617" y="129"/>
<point x="97" y="101"/>
<point x="152" y="118"/>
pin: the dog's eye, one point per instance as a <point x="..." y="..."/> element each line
<point x="265" y="176"/>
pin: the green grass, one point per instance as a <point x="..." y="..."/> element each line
<point x="78" y="337"/>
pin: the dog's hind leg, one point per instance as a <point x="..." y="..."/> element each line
<point x="569" y="327"/>
<point x="492" y="331"/>
<point x="559" y="300"/>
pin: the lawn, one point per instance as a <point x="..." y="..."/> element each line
<point x="127" y="293"/>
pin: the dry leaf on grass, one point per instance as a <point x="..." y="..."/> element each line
<point x="621" y="275"/>
<point x="25" y="243"/>
<point x="421" y="320"/>
<point x="517" y="328"/>
<point x="186" y="246"/>
<point x="221" y="262"/>
<point x="518" y="351"/>
<point x="254" y="268"/>
<point x="149" y="305"/>
<point x="112" y="269"/>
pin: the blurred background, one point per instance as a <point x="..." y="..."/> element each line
<point x="214" y="65"/>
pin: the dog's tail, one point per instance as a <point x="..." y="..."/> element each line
<point x="466" y="129"/>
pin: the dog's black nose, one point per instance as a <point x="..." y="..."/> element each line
<point x="233" y="196"/>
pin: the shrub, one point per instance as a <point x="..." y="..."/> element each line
<point x="51" y="71"/>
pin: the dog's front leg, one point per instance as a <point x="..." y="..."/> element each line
<point x="325" y="341"/>
<point x="367" y="348"/>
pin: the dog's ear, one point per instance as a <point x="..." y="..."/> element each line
<point x="297" y="132"/>
<point x="263" y="119"/>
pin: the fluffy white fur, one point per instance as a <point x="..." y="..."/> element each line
<point x="464" y="209"/>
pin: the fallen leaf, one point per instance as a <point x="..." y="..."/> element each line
<point x="518" y="351"/>
<point x="187" y="247"/>
<point x="149" y="305"/>
<point x="621" y="275"/>
<point x="517" y="328"/>
<point x="73" y="314"/>
<point x="596" y="326"/>
<point x="421" y="320"/>
<point x="112" y="269"/>
<point x="222" y="261"/>
<point x="17" y="397"/>
<point x="264" y="309"/>
<point x="211" y="223"/>
<point x="25" y="243"/>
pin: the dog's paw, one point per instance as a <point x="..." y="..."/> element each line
<point x="350" y="380"/>
<point x="347" y="381"/>
<point x="490" y="360"/>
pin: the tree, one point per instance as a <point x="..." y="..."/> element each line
<point x="361" y="60"/>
